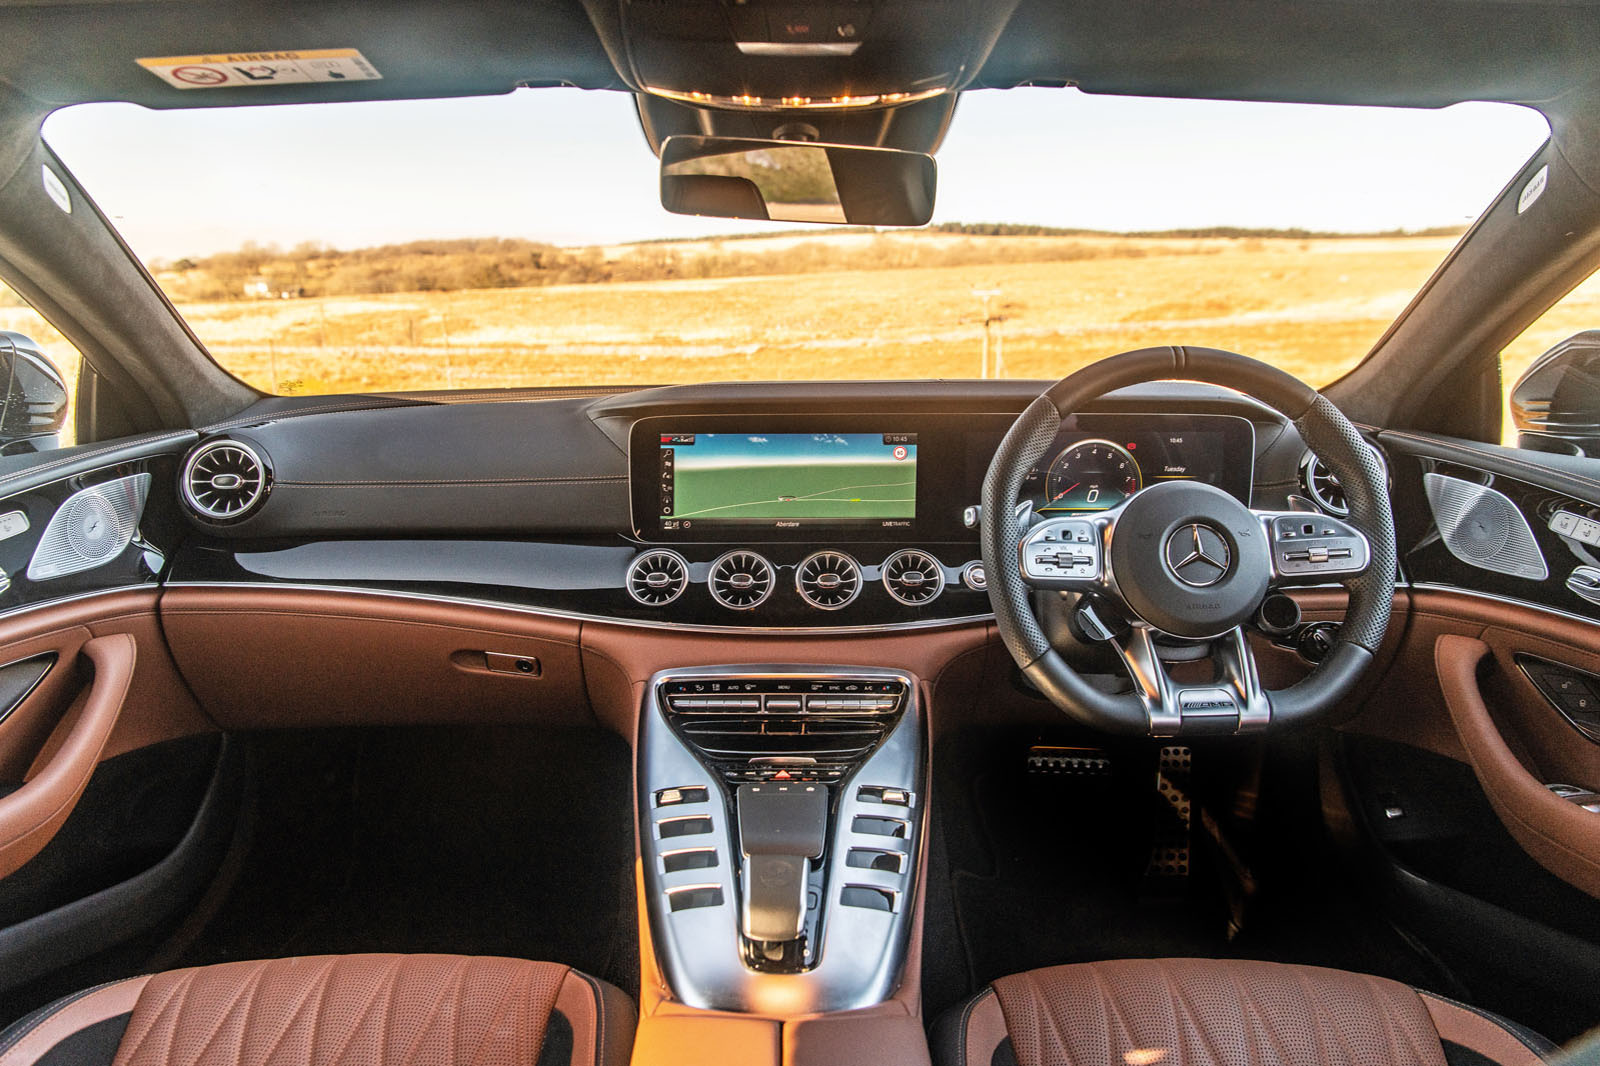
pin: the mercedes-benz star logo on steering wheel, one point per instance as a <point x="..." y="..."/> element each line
<point x="1198" y="555"/>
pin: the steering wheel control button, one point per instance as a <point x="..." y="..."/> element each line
<point x="1060" y="553"/>
<point x="1198" y="555"/>
<point x="1325" y="547"/>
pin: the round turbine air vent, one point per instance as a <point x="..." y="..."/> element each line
<point x="913" y="577"/>
<point x="828" y="580"/>
<point x="657" y="577"/>
<point x="1323" y="488"/>
<point x="224" y="480"/>
<point x="741" y="579"/>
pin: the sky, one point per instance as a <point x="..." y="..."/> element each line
<point x="570" y="167"/>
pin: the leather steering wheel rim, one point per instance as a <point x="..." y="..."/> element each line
<point x="1323" y="428"/>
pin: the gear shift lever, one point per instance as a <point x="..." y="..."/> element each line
<point x="781" y="828"/>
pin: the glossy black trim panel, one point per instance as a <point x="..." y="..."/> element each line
<point x="1428" y="562"/>
<point x="579" y="579"/>
<point x="35" y="471"/>
<point x="141" y="562"/>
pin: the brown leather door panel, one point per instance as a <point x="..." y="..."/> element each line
<point x="1561" y="836"/>
<point x="61" y="768"/>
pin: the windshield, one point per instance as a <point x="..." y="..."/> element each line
<point x="519" y="241"/>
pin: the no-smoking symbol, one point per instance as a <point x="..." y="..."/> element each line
<point x="199" y="75"/>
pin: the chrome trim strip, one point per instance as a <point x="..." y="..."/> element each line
<point x="578" y="616"/>
<point x="1496" y="598"/>
<point x="18" y="612"/>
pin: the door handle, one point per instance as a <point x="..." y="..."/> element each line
<point x="30" y="816"/>
<point x="1561" y="836"/>
<point x="1584" y="582"/>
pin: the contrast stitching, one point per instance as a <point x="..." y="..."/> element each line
<point x="124" y="445"/>
<point x="278" y="416"/>
<point x="1459" y="450"/>
<point x="966" y="1024"/>
<point x="1498" y="1023"/>
<point x="599" y="1016"/>
<point x="366" y="618"/>
<point x="31" y="1022"/>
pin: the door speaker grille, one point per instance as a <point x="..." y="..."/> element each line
<point x="91" y="528"/>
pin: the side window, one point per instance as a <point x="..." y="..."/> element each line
<point x="1550" y="376"/>
<point x="39" y="374"/>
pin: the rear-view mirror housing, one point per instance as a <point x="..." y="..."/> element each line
<point x="796" y="181"/>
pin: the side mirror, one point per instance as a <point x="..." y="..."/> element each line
<point x="793" y="181"/>
<point x="33" y="407"/>
<point x="1555" y="405"/>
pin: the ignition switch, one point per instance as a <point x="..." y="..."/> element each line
<point x="1317" y="640"/>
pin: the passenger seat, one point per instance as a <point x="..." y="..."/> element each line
<point x="336" y="1010"/>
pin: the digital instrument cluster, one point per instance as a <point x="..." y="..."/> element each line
<point x="1098" y="461"/>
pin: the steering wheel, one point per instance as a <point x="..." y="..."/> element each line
<point x="1185" y="560"/>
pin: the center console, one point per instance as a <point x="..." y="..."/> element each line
<point x="780" y="821"/>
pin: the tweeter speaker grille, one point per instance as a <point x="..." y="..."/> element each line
<point x="1483" y="528"/>
<point x="91" y="528"/>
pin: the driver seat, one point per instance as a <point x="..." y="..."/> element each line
<point x="1204" y="1012"/>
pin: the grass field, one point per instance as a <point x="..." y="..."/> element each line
<point x="777" y="491"/>
<point x="1312" y="307"/>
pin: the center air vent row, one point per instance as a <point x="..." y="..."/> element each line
<point x="742" y="579"/>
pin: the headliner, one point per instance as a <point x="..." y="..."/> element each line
<point x="1398" y="52"/>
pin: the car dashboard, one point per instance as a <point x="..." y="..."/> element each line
<point x="822" y="507"/>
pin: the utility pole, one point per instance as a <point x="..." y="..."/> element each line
<point x="986" y="295"/>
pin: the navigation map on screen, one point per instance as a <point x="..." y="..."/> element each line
<point x="708" y="478"/>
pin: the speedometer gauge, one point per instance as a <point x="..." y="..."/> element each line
<point x="1091" y="475"/>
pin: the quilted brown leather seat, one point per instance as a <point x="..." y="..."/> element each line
<point x="336" y="1010"/>
<point x="1200" y="1012"/>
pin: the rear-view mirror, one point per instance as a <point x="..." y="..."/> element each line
<point x="793" y="181"/>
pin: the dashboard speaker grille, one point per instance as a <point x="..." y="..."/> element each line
<point x="224" y="480"/>
<point x="828" y="580"/>
<point x="741" y="579"/>
<point x="913" y="577"/>
<point x="1483" y="528"/>
<point x="657" y="577"/>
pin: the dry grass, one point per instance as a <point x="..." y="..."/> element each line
<point x="1313" y="307"/>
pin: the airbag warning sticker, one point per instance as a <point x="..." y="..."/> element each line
<point x="237" y="70"/>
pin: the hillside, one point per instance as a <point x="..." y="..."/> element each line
<point x="258" y="271"/>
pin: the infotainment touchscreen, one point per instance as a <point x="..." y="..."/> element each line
<point x="785" y="481"/>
